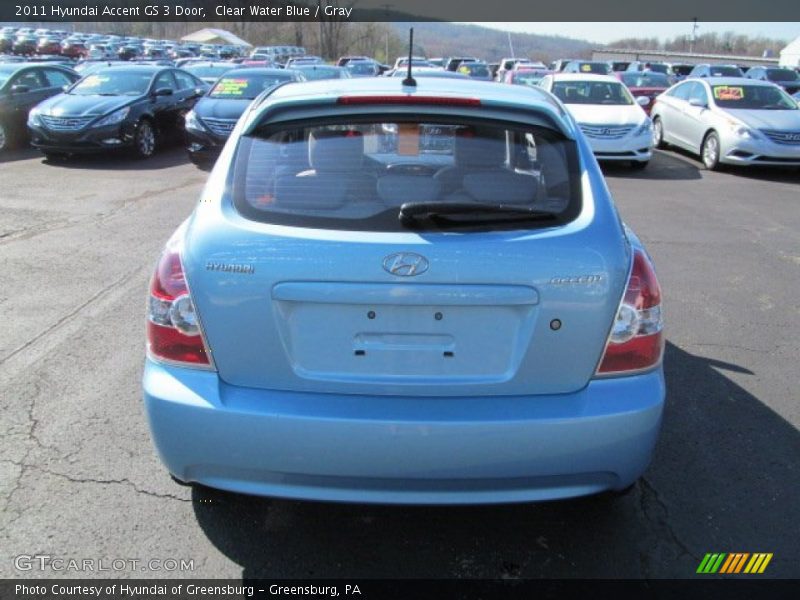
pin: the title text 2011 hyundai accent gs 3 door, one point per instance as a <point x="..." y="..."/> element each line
<point x="353" y="315"/>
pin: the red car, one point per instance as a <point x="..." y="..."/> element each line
<point x="74" y="49"/>
<point x="644" y="83"/>
<point x="48" y="45"/>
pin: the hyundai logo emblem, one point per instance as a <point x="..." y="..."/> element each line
<point x="405" y="264"/>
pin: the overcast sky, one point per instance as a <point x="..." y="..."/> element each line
<point x="607" y="32"/>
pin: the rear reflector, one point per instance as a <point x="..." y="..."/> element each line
<point x="636" y="341"/>
<point x="410" y="99"/>
<point x="173" y="330"/>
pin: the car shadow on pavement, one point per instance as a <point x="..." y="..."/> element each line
<point x="662" y="167"/>
<point x="757" y="172"/>
<point x="16" y="154"/>
<point x="724" y="479"/>
<point x="164" y="158"/>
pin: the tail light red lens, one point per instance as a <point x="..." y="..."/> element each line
<point x="173" y="331"/>
<point x="636" y="341"/>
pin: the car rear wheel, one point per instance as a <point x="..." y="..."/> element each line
<point x="658" y="134"/>
<point x="5" y="137"/>
<point x="710" y="151"/>
<point x="144" y="142"/>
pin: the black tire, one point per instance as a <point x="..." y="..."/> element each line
<point x="204" y="164"/>
<point x="145" y="139"/>
<point x="638" y="165"/>
<point x="709" y="151"/>
<point x="7" y="139"/>
<point x="54" y="156"/>
<point x="658" y="134"/>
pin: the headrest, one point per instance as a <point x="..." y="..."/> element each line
<point x="480" y="149"/>
<point x="335" y="151"/>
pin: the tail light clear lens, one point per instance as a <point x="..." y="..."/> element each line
<point x="636" y="339"/>
<point x="173" y="331"/>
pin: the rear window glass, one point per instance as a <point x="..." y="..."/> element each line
<point x="757" y="97"/>
<point x="682" y="69"/>
<point x="645" y="79"/>
<point x="528" y="77"/>
<point x="357" y="175"/>
<point x="782" y="75"/>
<point x="722" y="71"/>
<point x="360" y="68"/>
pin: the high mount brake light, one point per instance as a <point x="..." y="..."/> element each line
<point x="636" y="340"/>
<point x="410" y="99"/>
<point x="173" y="331"/>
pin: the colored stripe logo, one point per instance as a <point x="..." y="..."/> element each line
<point x="734" y="563"/>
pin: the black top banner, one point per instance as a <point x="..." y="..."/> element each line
<point x="396" y="10"/>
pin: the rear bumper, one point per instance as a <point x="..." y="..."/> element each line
<point x="409" y="450"/>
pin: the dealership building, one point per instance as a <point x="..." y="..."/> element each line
<point x="623" y="54"/>
<point x="790" y="56"/>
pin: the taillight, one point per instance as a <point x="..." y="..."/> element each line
<point x="173" y="330"/>
<point x="636" y="340"/>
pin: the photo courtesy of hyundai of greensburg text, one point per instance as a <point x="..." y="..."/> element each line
<point x="364" y="299"/>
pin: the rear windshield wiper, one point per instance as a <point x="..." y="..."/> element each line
<point x="414" y="214"/>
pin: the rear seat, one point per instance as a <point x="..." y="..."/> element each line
<point x="335" y="178"/>
<point x="480" y="173"/>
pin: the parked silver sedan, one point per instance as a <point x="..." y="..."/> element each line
<point x="729" y="120"/>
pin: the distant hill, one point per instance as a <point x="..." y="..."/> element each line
<point x="451" y="39"/>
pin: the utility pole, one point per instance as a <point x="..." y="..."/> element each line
<point x="694" y="35"/>
<point x="510" y="45"/>
<point x="387" y="7"/>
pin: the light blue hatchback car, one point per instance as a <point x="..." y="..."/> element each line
<point x="405" y="294"/>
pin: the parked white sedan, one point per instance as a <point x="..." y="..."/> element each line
<point x="614" y="123"/>
<point x="730" y="120"/>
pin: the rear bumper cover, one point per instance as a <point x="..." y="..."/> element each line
<point x="408" y="450"/>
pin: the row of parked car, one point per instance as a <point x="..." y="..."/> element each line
<point x="139" y="104"/>
<point x="27" y="41"/>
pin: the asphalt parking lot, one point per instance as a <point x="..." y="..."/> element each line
<point x="79" y="477"/>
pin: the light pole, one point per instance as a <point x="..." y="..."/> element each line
<point x="694" y="33"/>
<point x="387" y="7"/>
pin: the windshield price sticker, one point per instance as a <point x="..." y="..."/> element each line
<point x="94" y="81"/>
<point x="724" y="92"/>
<point x="232" y="87"/>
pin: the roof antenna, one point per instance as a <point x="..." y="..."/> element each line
<point x="409" y="80"/>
